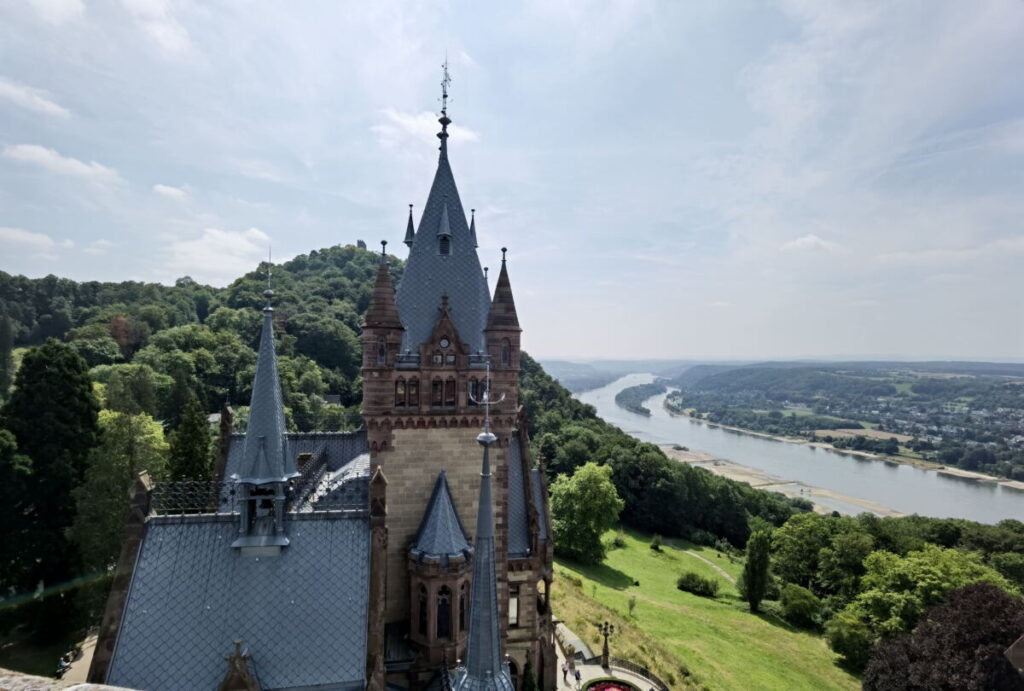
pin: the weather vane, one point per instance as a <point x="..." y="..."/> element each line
<point x="486" y="400"/>
<point x="445" y="81"/>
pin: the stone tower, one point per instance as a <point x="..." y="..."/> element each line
<point x="431" y="350"/>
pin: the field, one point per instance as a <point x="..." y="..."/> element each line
<point x="690" y="641"/>
<point x="870" y="433"/>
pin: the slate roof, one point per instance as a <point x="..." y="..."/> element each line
<point x="301" y="614"/>
<point x="537" y="487"/>
<point x="518" y="516"/>
<point x="264" y="457"/>
<point x="337" y="448"/>
<point x="429" y="275"/>
<point x="441" y="536"/>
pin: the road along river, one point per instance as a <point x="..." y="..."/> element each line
<point x="845" y="482"/>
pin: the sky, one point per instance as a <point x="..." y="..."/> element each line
<point x="702" y="179"/>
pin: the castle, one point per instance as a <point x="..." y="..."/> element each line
<point x="345" y="560"/>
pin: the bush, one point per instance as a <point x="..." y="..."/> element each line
<point x="800" y="606"/>
<point x="698" y="585"/>
<point x="619" y="541"/>
<point x="656" y="543"/>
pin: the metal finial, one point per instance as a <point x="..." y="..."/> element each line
<point x="503" y="251"/>
<point x="485" y="273"/>
<point x="410" y="209"/>
<point x="269" y="293"/>
<point x="383" y="250"/>
<point x="445" y="81"/>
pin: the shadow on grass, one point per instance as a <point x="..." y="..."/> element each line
<point x="602" y="573"/>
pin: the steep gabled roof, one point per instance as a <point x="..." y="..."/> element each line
<point x="503" y="315"/>
<point x="441" y="535"/>
<point x="429" y="274"/>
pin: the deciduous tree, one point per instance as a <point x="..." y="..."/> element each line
<point x="584" y="506"/>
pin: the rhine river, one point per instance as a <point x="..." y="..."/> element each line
<point x="900" y="487"/>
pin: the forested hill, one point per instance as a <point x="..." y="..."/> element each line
<point x="195" y="337"/>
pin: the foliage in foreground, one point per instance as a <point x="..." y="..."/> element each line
<point x="959" y="644"/>
<point x="698" y="585"/>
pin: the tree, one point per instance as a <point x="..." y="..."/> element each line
<point x="800" y="606"/>
<point x="584" y="506"/>
<point x="1011" y="565"/>
<point x="755" y="570"/>
<point x="190" y="445"/>
<point x="529" y="682"/>
<point x="131" y="444"/>
<point x="15" y="517"/>
<point x="797" y="546"/>
<point x="896" y="591"/>
<point x="959" y="644"/>
<point x="52" y="414"/>
<point x="6" y="355"/>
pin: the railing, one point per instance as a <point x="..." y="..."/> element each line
<point x="348" y="492"/>
<point x="633" y="667"/>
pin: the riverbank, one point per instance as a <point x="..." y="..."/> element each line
<point x="903" y="460"/>
<point x="824" y="500"/>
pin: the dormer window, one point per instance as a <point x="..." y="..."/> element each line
<point x="445" y="245"/>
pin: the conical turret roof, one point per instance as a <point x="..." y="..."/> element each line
<point x="503" y="315"/>
<point x="382" y="312"/>
<point x="441" y="535"/>
<point x="410" y="231"/>
<point x="264" y="457"/>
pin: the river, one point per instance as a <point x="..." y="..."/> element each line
<point x="901" y="487"/>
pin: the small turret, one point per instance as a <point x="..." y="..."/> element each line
<point x="410" y="230"/>
<point x="503" y="332"/>
<point x="472" y="228"/>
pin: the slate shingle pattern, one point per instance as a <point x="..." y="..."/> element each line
<point x="429" y="275"/>
<point x="538" y="503"/>
<point x="441" y="536"/>
<point x="338" y="448"/>
<point x="301" y="614"/>
<point x="518" y="517"/>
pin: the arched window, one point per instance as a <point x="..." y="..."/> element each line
<point x="445" y="245"/>
<point x="400" y="393"/>
<point x="463" y="604"/>
<point x="423" y="611"/>
<point x="444" y="612"/>
<point x="506" y="352"/>
<point x="473" y="389"/>
<point x="382" y="351"/>
<point x="437" y="393"/>
<point x="449" y="393"/>
<point x="414" y="392"/>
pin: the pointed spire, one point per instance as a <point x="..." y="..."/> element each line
<point x="444" y="227"/>
<point x="472" y="227"/>
<point x="484" y="668"/>
<point x="410" y="230"/>
<point x="441" y="536"/>
<point x="382" y="312"/>
<point x="264" y="454"/>
<point x="503" y="315"/>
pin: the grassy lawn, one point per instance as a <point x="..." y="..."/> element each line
<point x="689" y="641"/>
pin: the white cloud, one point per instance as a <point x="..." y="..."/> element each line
<point x="39" y="245"/>
<point x="98" y="247"/>
<point x="52" y="161"/>
<point x="156" y="19"/>
<point x="30" y="98"/>
<point x="400" y="128"/>
<point x="810" y="243"/>
<point x="59" y="11"/>
<point x="175" y="193"/>
<point x="217" y="256"/>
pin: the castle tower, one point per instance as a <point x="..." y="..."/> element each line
<point x="431" y="351"/>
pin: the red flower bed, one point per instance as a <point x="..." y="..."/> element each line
<point x="611" y="686"/>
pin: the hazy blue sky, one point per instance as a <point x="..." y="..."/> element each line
<point x="678" y="179"/>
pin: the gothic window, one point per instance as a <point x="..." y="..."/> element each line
<point x="444" y="612"/>
<point x="438" y="358"/>
<point x="513" y="606"/>
<point x="400" y="393"/>
<point x="414" y="392"/>
<point x="423" y="611"/>
<point x="473" y="389"/>
<point x="463" y="603"/>
<point x="437" y="393"/>
<point x="446" y="245"/>
<point x="382" y="351"/>
<point x="506" y="352"/>
<point x="449" y="393"/>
